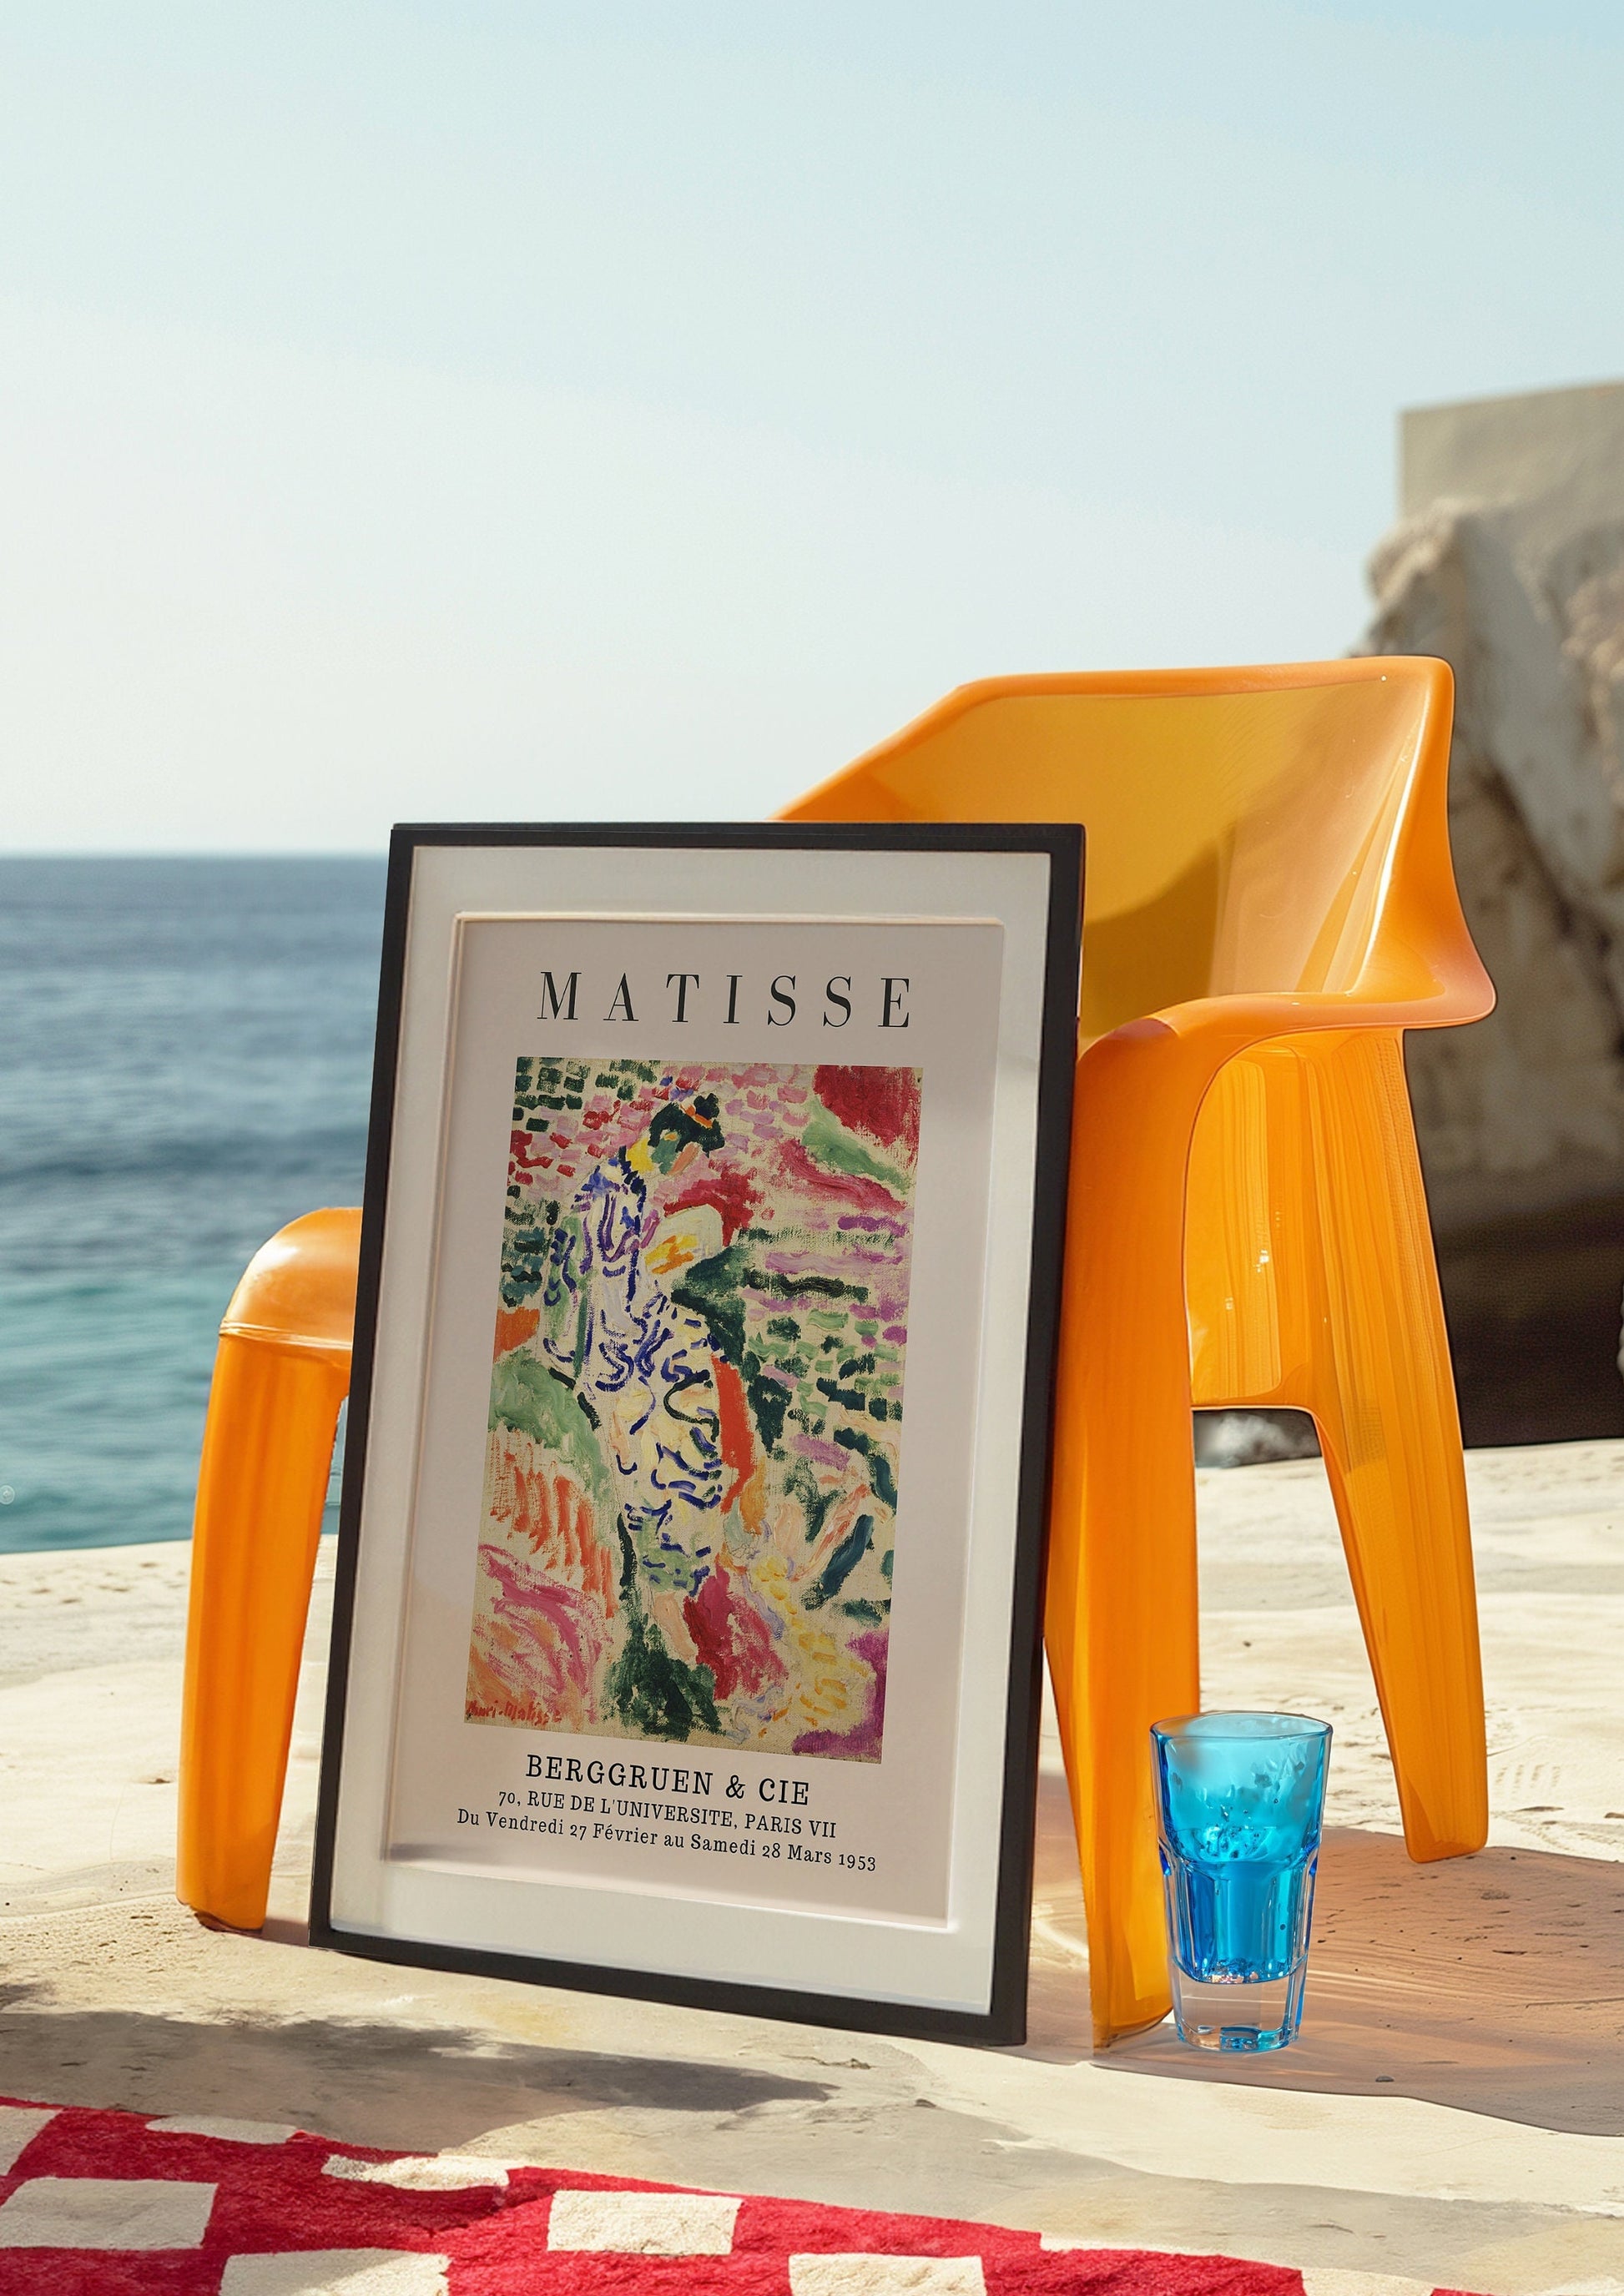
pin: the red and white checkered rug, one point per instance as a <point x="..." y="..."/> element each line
<point x="112" y="2204"/>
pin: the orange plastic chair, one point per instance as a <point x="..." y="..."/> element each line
<point x="1270" y="904"/>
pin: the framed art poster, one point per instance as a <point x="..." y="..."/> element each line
<point x="687" y="1634"/>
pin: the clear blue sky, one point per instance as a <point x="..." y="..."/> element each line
<point x="489" y="409"/>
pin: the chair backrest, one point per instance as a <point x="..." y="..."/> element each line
<point x="1249" y="830"/>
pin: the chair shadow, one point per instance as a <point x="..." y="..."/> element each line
<point x="383" y="2081"/>
<point x="1493" y="1983"/>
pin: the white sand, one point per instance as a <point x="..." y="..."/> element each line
<point x="1454" y="2112"/>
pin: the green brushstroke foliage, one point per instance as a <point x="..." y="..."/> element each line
<point x="802" y="1484"/>
<point x="525" y="1249"/>
<point x="828" y="1139"/>
<point x="841" y="1563"/>
<point x="787" y="1385"/>
<point x="653" y="1693"/>
<point x="881" y="1471"/>
<point x="525" y="1395"/>
<point x="714" y="1290"/>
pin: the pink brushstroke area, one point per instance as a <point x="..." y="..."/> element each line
<point x="736" y="1638"/>
<point x="881" y="1104"/>
<point x="861" y="1744"/>
<point x="872" y="1222"/>
<point x="827" y="1187"/>
<point x="730" y="1190"/>
<point x="542" y="1641"/>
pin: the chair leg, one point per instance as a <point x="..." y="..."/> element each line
<point x="1384" y="1401"/>
<point x="267" y="1449"/>
<point x="1121" y="1621"/>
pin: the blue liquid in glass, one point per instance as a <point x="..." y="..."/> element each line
<point x="1240" y="1801"/>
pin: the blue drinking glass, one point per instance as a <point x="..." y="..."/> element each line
<point x="1240" y="1800"/>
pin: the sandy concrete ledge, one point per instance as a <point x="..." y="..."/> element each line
<point x="1454" y="2113"/>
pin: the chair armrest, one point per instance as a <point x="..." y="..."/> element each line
<point x="1225" y="1025"/>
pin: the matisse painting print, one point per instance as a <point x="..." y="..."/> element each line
<point x="691" y="1556"/>
<point x="696" y="1403"/>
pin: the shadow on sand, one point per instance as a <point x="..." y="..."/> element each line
<point x="403" y="2085"/>
<point x="1493" y="1983"/>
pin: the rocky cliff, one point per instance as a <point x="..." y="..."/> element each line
<point x="1508" y="561"/>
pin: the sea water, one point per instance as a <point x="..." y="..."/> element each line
<point x="186" y="1055"/>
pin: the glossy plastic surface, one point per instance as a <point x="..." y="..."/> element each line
<point x="281" y="1373"/>
<point x="1270" y="904"/>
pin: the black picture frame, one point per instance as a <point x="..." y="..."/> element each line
<point x="1003" y="2021"/>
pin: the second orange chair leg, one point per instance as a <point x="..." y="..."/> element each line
<point x="1312" y="1285"/>
<point x="1384" y="1396"/>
